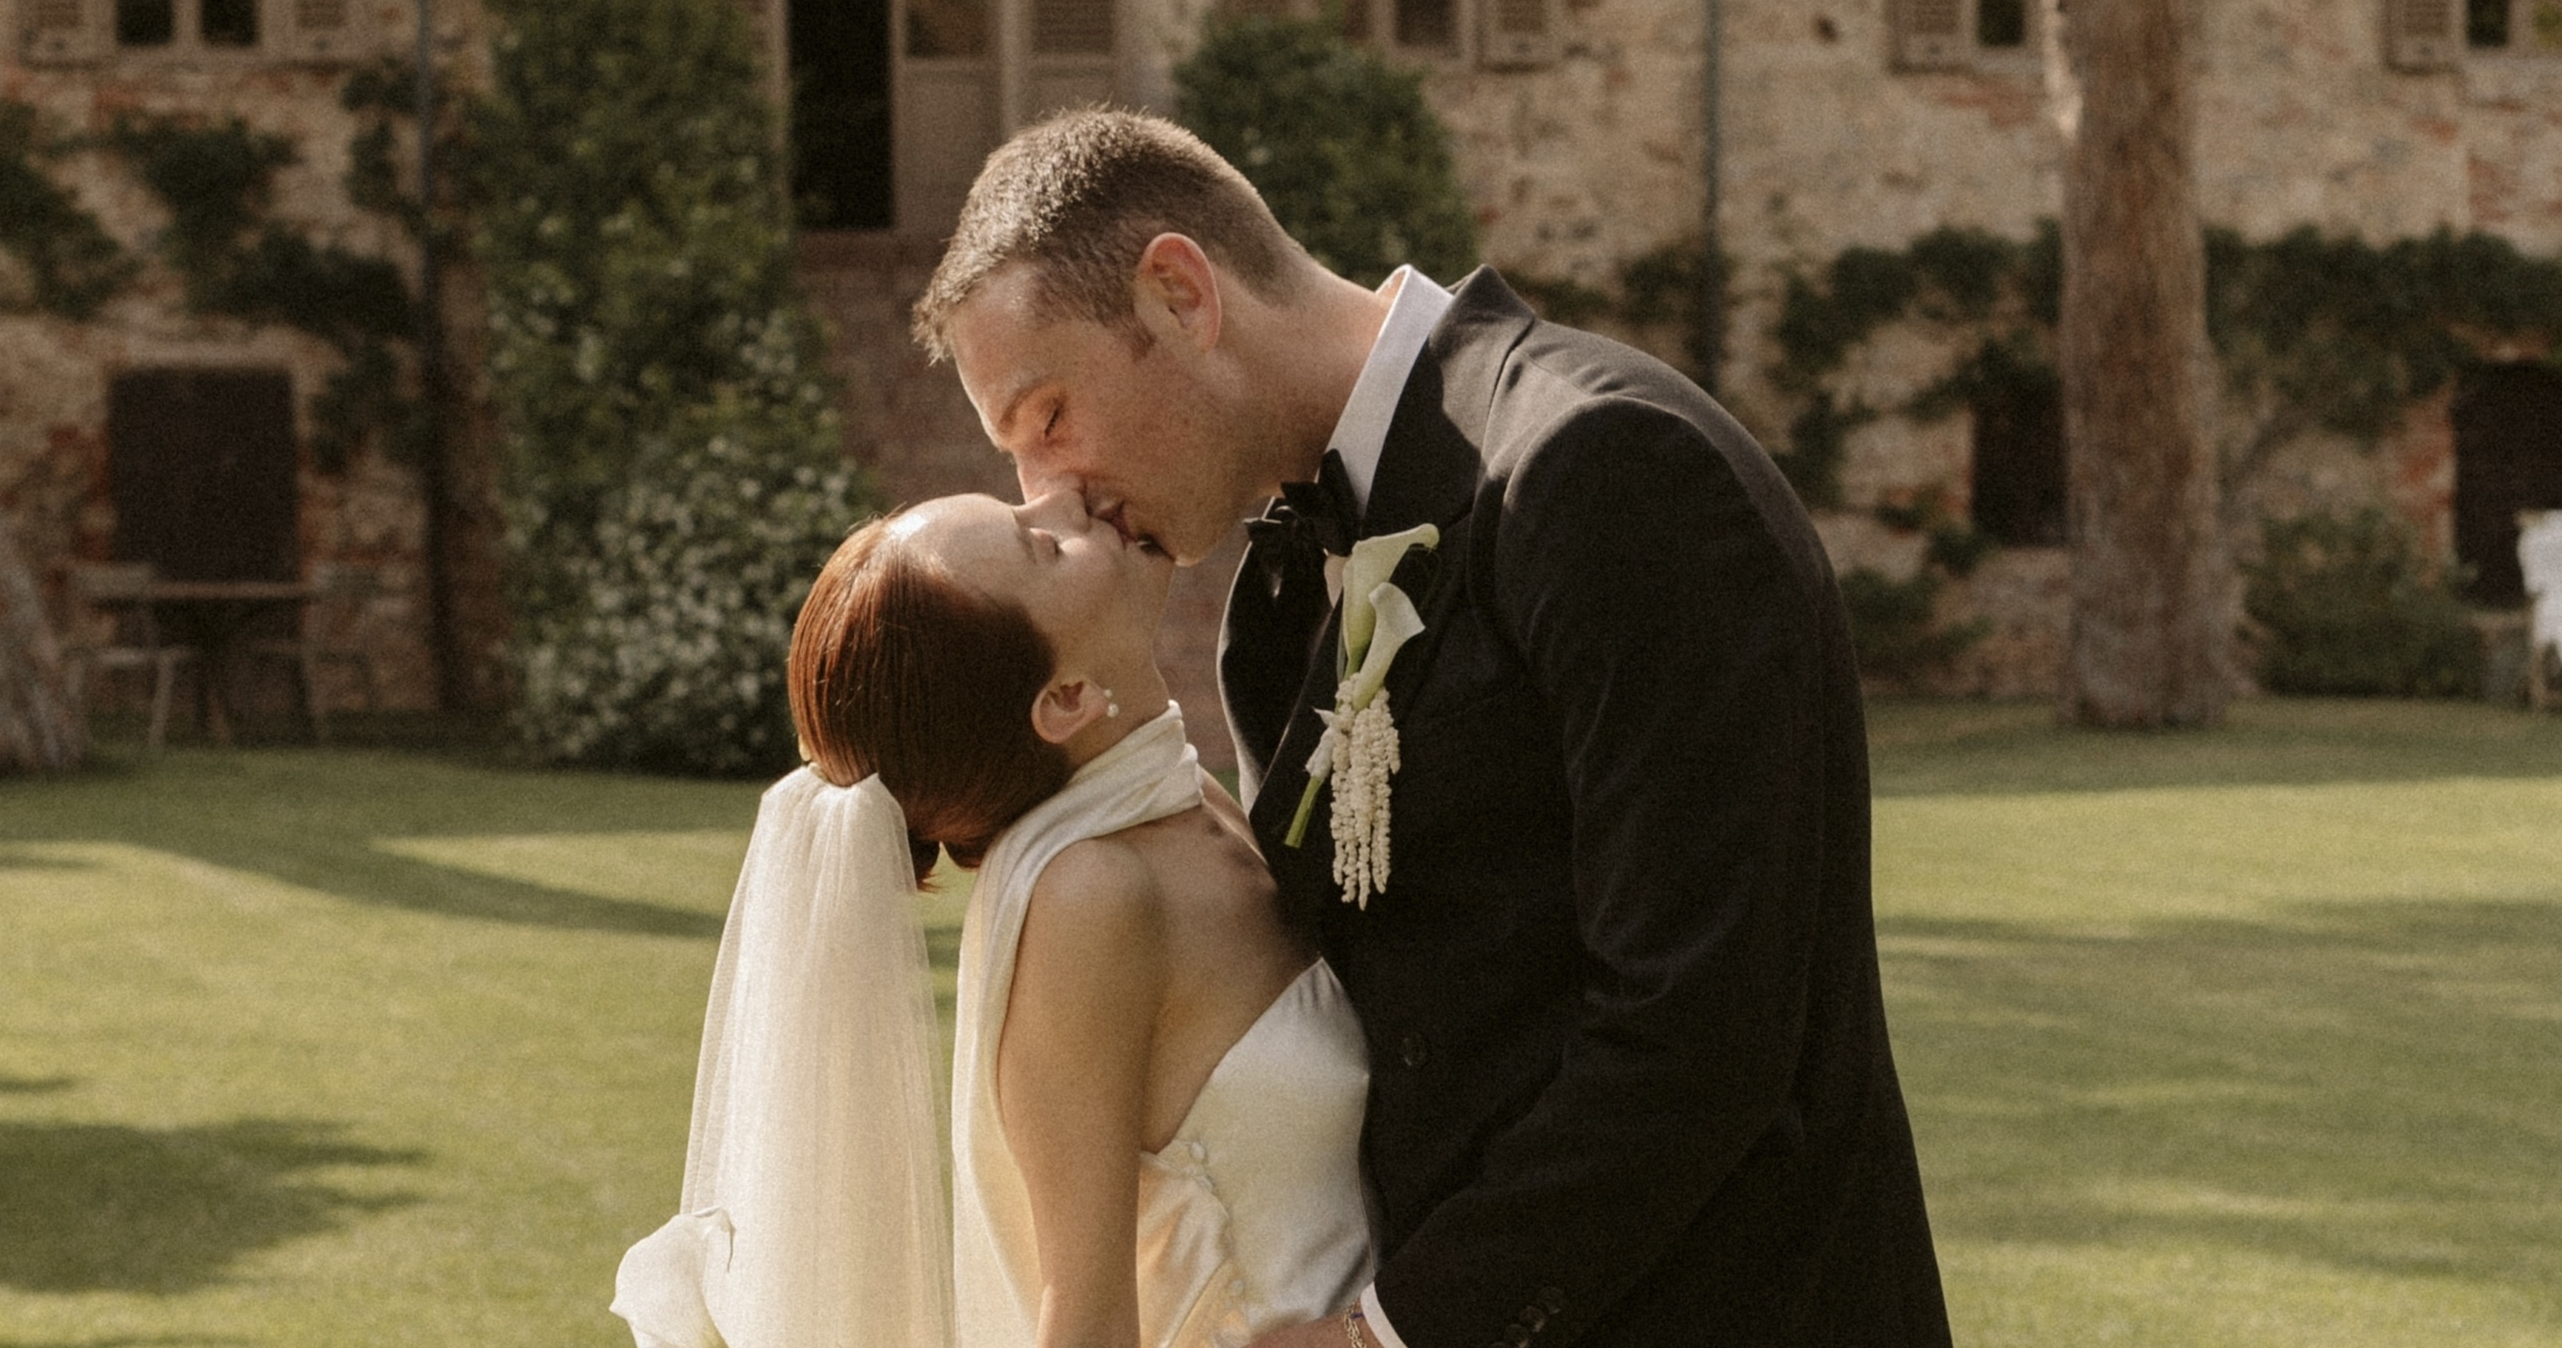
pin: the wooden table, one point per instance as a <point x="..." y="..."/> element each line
<point x="211" y="615"/>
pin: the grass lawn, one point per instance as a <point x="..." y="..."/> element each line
<point x="2244" y="1038"/>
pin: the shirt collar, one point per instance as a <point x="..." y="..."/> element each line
<point x="1361" y="434"/>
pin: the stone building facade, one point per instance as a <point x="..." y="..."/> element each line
<point x="185" y="389"/>
<point x="2374" y="120"/>
<point x="1589" y="134"/>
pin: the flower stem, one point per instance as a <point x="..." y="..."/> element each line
<point x="1299" y="822"/>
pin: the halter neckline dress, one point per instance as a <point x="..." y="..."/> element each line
<point x="1254" y="1216"/>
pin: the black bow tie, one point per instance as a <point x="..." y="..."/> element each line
<point x="1311" y="520"/>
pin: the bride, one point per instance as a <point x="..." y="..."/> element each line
<point x="1156" y="1089"/>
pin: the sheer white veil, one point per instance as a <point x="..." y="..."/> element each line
<point x="813" y="1213"/>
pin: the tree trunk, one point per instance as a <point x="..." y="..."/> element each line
<point x="2153" y="611"/>
<point x="40" y="726"/>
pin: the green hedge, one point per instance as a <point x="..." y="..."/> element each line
<point x="670" y="452"/>
<point x="2345" y="604"/>
<point x="1340" y="143"/>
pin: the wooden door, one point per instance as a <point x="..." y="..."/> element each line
<point x="203" y="472"/>
<point x="969" y="73"/>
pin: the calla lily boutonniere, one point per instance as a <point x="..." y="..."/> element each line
<point x="1359" y="749"/>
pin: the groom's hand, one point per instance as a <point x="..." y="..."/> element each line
<point x="1326" y="1333"/>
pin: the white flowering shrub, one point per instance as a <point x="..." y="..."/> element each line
<point x="671" y="469"/>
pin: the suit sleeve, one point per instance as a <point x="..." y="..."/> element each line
<point x="1683" y="646"/>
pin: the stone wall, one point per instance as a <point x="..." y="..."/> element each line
<point x="55" y="374"/>
<point x="1826" y="146"/>
<point x="1577" y="167"/>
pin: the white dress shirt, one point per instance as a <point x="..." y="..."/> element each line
<point x="1361" y="433"/>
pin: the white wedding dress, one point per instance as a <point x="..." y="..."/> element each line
<point x="1253" y="1217"/>
<point x="809" y="1217"/>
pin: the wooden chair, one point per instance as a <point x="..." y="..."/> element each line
<point x="2540" y="559"/>
<point x="119" y="592"/>
<point x="339" y="595"/>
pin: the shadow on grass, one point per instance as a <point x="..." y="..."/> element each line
<point x="103" y="1207"/>
<point x="312" y="818"/>
<point x="2371" y="1088"/>
<point x="1973" y="747"/>
<point x="36" y="1085"/>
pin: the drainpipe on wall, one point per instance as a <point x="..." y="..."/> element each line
<point x="452" y="688"/>
<point x="1711" y="300"/>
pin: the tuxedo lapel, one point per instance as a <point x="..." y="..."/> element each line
<point x="1307" y="869"/>
<point x="1432" y="463"/>
<point x="1263" y="659"/>
<point x="1428" y="473"/>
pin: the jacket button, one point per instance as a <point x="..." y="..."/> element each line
<point x="1413" y="1051"/>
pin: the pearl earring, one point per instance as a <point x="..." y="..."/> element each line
<point x="1111" y="707"/>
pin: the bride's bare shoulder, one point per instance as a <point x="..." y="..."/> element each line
<point x="1097" y="889"/>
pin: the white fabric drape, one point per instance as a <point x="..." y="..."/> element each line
<point x="813" y="1213"/>
<point x="2540" y="560"/>
<point x="1150" y="775"/>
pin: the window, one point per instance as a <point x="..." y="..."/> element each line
<point x="227" y="23"/>
<point x="1497" y="34"/>
<point x="2437" y="34"/>
<point x="146" y="23"/>
<point x="1964" y="34"/>
<point x="70" y="32"/>
<point x="2522" y="27"/>
<point x="178" y="24"/>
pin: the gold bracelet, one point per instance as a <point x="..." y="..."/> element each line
<point x="1352" y="1328"/>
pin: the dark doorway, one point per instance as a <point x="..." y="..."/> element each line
<point x="2508" y="458"/>
<point x="2019" y="453"/>
<point x="840" y="64"/>
<point x="202" y="466"/>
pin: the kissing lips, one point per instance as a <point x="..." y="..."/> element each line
<point x="1117" y="515"/>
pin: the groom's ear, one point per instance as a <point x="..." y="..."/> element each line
<point x="1177" y="292"/>
<point x="1067" y="707"/>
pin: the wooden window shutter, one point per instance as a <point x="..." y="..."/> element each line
<point x="2424" y="34"/>
<point x="1072" y="27"/>
<point x="1517" y="34"/>
<point x="67" y="32"/>
<point x="322" y="30"/>
<point x="1933" y="34"/>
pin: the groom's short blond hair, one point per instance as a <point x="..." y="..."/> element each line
<point x="1079" y="196"/>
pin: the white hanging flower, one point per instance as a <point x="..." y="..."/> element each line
<point x="1359" y="750"/>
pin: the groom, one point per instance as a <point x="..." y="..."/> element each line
<point x="1630" y="1075"/>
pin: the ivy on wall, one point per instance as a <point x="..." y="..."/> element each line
<point x="2313" y="332"/>
<point x="1680" y="286"/>
<point x="73" y="266"/>
<point x="217" y="180"/>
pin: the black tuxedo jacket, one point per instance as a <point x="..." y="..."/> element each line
<point x="1630" y="1076"/>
